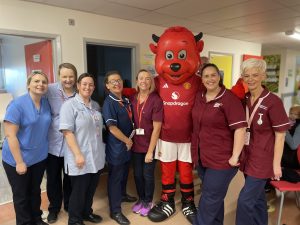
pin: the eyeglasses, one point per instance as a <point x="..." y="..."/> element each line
<point x="115" y="82"/>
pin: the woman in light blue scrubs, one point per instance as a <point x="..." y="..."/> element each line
<point x="25" y="148"/>
<point x="81" y="123"/>
<point x="58" y="189"/>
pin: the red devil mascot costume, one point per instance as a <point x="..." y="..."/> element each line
<point x="177" y="61"/>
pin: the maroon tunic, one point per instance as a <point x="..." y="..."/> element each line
<point x="214" y="123"/>
<point x="270" y="117"/>
<point x="152" y="111"/>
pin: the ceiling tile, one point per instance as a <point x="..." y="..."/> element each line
<point x="258" y="18"/>
<point x="146" y="4"/>
<point x="225" y="32"/>
<point x="188" y="8"/>
<point x="288" y="2"/>
<point x="183" y="22"/>
<point x="87" y="5"/>
<point x="206" y="28"/>
<point x="237" y="10"/>
<point x="154" y="18"/>
<point x="279" y="26"/>
<point x="118" y="11"/>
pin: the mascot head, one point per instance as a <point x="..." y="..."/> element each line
<point x="177" y="54"/>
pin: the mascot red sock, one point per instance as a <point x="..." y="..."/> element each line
<point x="177" y="61"/>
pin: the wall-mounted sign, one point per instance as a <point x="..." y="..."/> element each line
<point x="36" y="58"/>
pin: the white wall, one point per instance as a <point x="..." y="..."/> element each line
<point x="23" y="17"/>
<point x="13" y="59"/>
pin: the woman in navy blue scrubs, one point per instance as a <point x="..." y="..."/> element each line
<point x="25" y="148"/>
<point x="117" y="115"/>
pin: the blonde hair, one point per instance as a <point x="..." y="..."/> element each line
<point x="152" y="87"/>
<point x="259" y="64"/>
<point x="29" y="78"/>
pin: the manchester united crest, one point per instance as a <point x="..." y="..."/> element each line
<point x="187" y="85"/>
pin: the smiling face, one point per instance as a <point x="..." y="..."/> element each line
<point x="37" y="85"/>
<point x="67" y="78"/>
<point x="144" y="81"/>
<point x="177" y="55"/>
<point x="115" y="84"/>
<point x="211" y="78"/>
<point x="86" y="87"/>
<point x="253" y="77"/>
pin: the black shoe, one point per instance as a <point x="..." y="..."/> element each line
<point x="189" y="210"/>
<point x="128" y="198"/>
<point x="77" y="223"/>
<point x="52" y="217"/>
<point x="93" y="218"/>
<point x="40" y="222"/>
<point x="162" y="211"/>
<point x="119" y="218"/>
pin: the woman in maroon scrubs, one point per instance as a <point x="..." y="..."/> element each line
<point x="267" y="124"/>
<point x="218" y="131"/>
<point x="148" y="115"/>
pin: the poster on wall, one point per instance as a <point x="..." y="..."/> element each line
<point x="273" y="70"/>
<point x="147" y="62"/>
<point x="224" y="62"/>
<point x="296" y="98"/>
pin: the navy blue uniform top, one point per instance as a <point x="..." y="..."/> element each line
<point x="117" y="112"/>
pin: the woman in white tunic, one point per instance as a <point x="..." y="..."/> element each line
<point x="81" y="123"/>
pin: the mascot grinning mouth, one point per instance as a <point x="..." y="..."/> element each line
<point x="176" y="76"/>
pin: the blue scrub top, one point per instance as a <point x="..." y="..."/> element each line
<point x="33" y="129"/>
<point x="115" y="113"/>
<point x="56" y="97"/>
<point x="86" y="123"/>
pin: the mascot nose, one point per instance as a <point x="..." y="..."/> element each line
<point x="175" y="67"/>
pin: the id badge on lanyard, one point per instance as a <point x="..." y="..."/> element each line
<point x="249" y="121"/>
<point x="96" y="120"/>
<point x="139" y="130"/>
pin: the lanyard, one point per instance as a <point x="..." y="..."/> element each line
<point x="128" y="109"/>
<point x="249" y="120"/>
<point x="139" y="113"/>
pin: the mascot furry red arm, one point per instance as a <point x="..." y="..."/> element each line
<point x="177" y="61"/>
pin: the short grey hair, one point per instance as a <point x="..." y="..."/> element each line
<point x="259" y="64"/>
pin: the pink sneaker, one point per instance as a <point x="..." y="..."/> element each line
<point x="137" y="206"/>
<point x="146" y="207"/>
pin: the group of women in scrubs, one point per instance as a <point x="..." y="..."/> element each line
<point x="248" y="135"/>
<point x="228" y="134"/>
<point x="29" y="148"/>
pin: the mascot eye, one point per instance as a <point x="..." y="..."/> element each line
<point x="182" y="54"/>
<point x="169" y="55"/>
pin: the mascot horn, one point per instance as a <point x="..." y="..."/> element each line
<point x="177" y="60"/>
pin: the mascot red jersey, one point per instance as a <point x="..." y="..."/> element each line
<point x="177" y="61"/>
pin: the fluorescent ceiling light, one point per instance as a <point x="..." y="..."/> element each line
<point x="293" y="34"/>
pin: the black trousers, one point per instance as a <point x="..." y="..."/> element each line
<point x="117" y="182"/>
<point x="81" y="198"/>
<point x="58" y="188"/>
<point x="143" y="176"/>
<point x="26" y="192"/>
